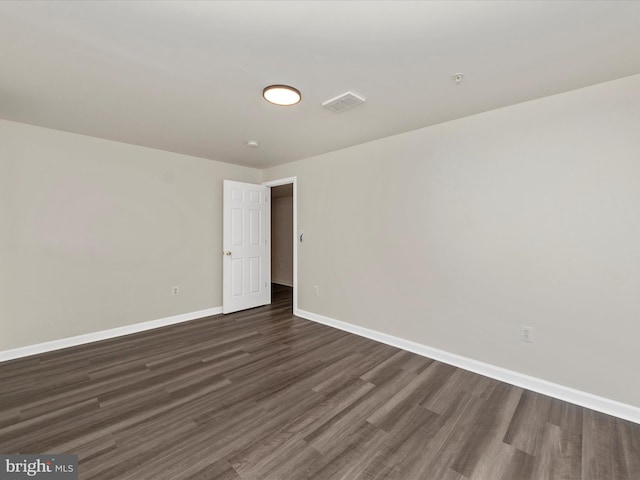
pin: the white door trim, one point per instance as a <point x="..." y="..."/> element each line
<point x="276" y="183"/>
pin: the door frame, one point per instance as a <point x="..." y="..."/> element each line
<point x="276" y="183"/>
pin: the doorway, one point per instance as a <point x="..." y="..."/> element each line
<point x="282" y="225"/>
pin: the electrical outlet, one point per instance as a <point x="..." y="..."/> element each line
<point x="526" y="334"/>
<point x="175" y="290"/>
<point x="316" y="290"/>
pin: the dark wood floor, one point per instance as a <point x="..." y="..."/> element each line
<point x="263" y="395"/>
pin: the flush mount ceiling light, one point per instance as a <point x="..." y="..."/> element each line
<point x="281" y="95"/>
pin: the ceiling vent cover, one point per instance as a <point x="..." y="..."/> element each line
<point x="343" y="102"/>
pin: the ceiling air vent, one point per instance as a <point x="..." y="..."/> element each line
<point x="343" y="102"/>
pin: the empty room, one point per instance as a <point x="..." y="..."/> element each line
<point x="290" y="240"/>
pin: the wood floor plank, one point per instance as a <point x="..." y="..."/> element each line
<point x="386" y="416"/>
<point x="603" y="453"/>
<point x="220" y="470"/>
<point x="399" y="454"/>
<point x="527" y="426"/>
<point x="560" y="454"/>
<point x="630" y="440"/>
<point x="349" y="460"/>
<point x="446" y="444"/>
<point x="350" y="418"/>
<point x="264" y="395"/>
<point x="489" y="427"/>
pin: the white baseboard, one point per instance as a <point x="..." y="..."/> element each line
<point x="568" y="394"/>
<point x="286" y="284"/>
<point x="578" y="397"/>
<point x="104" y="334"/>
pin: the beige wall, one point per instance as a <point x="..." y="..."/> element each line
<point x="282" y="240"/>
<point x="455" y="235"/>
<point x="95" y="233"/>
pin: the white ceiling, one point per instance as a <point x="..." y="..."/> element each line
<point x="188" y="76"/>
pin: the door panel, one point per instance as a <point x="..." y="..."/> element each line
<point x="245" y="275"/>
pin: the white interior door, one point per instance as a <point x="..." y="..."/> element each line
<point x="244" y="267"/>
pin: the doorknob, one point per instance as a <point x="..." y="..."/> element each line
<point x="227" y="253"/>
